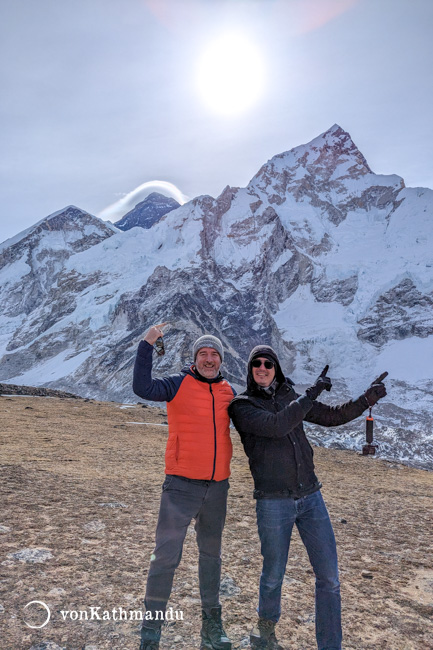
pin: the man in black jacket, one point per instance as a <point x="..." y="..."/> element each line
<point x="268" y="417"/>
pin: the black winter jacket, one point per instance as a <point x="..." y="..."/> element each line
<point x="271" y="430"/>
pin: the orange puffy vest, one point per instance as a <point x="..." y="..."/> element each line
<point x="199" y="444"/>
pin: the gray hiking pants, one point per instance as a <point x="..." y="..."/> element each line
<point x="181" y="501"/>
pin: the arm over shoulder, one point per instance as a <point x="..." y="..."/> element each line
<point x="249" y="417"/>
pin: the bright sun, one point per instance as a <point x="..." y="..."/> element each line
<point x="230" y="74"/>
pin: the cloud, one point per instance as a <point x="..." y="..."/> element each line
<point x="118" y="209"/>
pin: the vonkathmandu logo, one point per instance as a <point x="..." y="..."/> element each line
<point x="120" y="614"/>
<point x="97" y="613"/>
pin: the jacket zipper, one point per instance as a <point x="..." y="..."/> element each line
<point x="214" y="431"/>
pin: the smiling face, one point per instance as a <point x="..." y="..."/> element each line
<point x="208" y="362"/>
<point x="263" y="376"/>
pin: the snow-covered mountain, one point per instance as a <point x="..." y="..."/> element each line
<point x="147" y="212"/>
<point x="318" y="256"/>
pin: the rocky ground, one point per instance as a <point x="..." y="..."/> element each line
<point x="80" y="485"/>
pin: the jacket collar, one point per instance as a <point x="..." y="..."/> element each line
<point x="257" y="391"/>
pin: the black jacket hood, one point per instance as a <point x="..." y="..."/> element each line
<point x="267" y="352"/>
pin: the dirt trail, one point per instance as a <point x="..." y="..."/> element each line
<point x="80" y="481"/>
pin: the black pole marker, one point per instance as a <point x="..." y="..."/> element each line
<point x="369" y="449"/>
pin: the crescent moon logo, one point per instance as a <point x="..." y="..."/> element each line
<point x="38" y="602"/>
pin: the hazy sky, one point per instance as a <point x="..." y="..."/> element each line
<point x="98" y="97"/>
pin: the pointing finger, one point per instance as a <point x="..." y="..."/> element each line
<point x="324" y="371"/>
<point x="380" y="378"/>
<point x="159" y="327"/>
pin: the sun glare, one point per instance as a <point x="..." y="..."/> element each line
<point x="230" y="74"/>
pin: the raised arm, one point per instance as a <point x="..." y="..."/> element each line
<point x="332" y="416"/>
<point x="157" y="390"/>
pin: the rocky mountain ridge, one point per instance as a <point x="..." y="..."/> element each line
<point x="318" y="256"/>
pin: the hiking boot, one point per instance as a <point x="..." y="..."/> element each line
<point x="150" y="638"/>
<point x="212" y="632"/>
<point x="149" y="645"/>
<point x="263" y="636"/>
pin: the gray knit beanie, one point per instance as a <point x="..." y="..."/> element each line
<point x="208" y="341"/>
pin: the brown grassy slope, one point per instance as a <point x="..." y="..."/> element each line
<point x="61" y="460"/>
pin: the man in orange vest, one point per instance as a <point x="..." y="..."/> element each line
<point x="197" y="467"/>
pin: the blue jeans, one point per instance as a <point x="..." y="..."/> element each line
<point x="275" y="519"/>
<point x="181" y="501"/>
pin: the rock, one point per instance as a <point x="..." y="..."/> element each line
<point x="2" y="609"/>
<point x="366" y="574"/>
<point x="4" y="529"/>
<point x="13" y="389"/>
<point x="47" y="645"/>
<point x="56" y="592"/>
<point x="228" y="587"/>
<point x="129" y="598"/>
<point x="94" y="526"/>
<point x="245" y="523"/>
<point x="305" y="620"/>
<point x="342" y="291"/>
<point x="398" y="313"/>
<point x="31" y="555"/>
<point x="343" y="521"/>
<point x="113" y="504"/>
<point x="147" y="212"/>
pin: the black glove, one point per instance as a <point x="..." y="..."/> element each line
<point x="322" y="383"/>
<point x="376" y="390"/>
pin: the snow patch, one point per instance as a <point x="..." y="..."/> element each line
<point x="52" y="369"/>
<point x="409" y="359"/>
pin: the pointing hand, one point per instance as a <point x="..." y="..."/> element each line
<point x="328" y="383"/>
<point x="376" y="390"/>
<point x="154" y="333"/>
<point x="322" y="383"/>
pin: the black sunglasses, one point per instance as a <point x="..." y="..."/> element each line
<point x="257" y="364"/>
